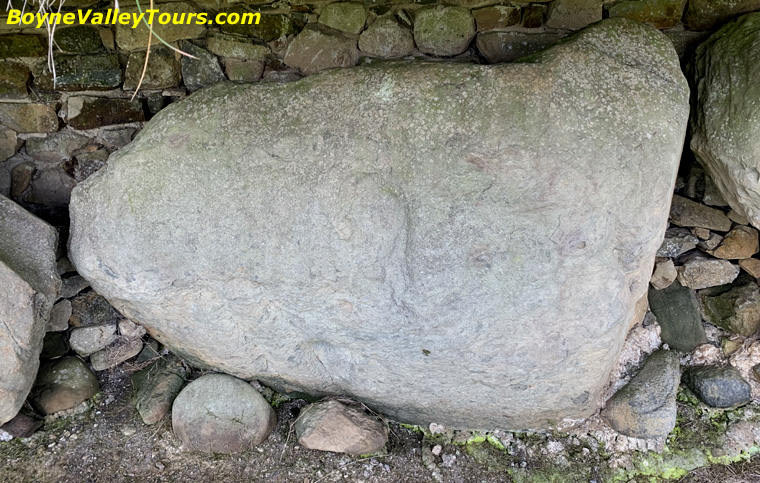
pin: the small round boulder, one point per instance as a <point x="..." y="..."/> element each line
<point x="218" y="413"/>
<point x="62" y="384"/>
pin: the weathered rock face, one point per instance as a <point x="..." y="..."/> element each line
<point x="426" y="247"/>
<point x="29" y="285"/>
<point x="726" y="133"/>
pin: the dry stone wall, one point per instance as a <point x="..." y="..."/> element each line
<point x="54" y="135"/>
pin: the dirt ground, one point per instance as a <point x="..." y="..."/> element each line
<point x="107" y="441"/>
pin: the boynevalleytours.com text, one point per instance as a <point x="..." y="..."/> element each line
<point x="132" y="19"/>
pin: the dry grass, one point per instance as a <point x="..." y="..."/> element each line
<point x="741" y="472"/>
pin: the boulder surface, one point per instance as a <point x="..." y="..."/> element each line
<point x="405" y="233"/>
<point x="726" y="133"/>
<point x="29" y="285"/>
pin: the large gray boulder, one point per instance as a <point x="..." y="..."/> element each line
<point x="463" y="244"/>
<point x="726" y="121"/>
<point x="29" y="285"/>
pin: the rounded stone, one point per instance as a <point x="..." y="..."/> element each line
<point x="218" y="413"/>
<point x="386" y="39"/>
<point x="718" y="387"/>
<point x="444" y="31"/>
<point x="62" y="384"/>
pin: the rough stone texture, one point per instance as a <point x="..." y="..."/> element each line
<point x="22" y="426"/>
<point x="237" y="49"/>
<point x="663" y="14"/>
<point x="677" y="312"/>
<point x="150" y="351"/>
<point x="386" y="39"/>
<point x="50" y="187"/>
<point x="664" y="274"/>
<point x="90" y="339"/>
<point x="243" y="70"/>
<point x="79" y="72"/>
<point x="737" y="310"/>
<point x="53" y="346"/>
<point x="533" y="16"/>
<point x="271" y="27"/>
<point x="163" y="70"/>
<point x="80" y="39"/>
<point x="218" y="413"/>
<point x="711" y="243"/>
<point x="684" y="212"/>
<point x="344" y="16"/>
<point x="751" y="266"/>
<point x="21" y="178"/>
<point x="59" y="316"/>
<point x="92" y="309"/>
<point x="677" y="242"/>
<point x="740" y="242"/>
<point x="128" y="38"/>
<point x="131" y="330"/>
<point x="498" y="16"/>
<point x="337" y="427"/>
<point x="122" y="349"/>
<point x="574" y="14"/>
<point x="726" y="133"/>
<point x="423" y="242"/>
<point x="646" y="406"/>
<point x="28" y="118"/>
<point x="30" y="284"/>
<point x="85" y="112"/>
<point x="62" y="384"/>
<point x="156" y="386"/>
<point x="704" y="273"/>
<point x="73" y="285"/>
<point x="708" y="14"/>
<point x="713" y="196"/>
<point x="737" y="218"/>
<point x="316" y="49"/>
<point x="718" y="387"/>
<point x="508" y="46"/>
<point x="203" y="71"/>
<point x="18" y="45"/>
<point x="443" y="31"/>
<point x="8" y="143"/>
<point x="88" y="163"/>
<point x="14" y="78"/>
<point x="56" y="148"/>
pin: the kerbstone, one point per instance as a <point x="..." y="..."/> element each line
<point x="725" y="133"/>
<point x="403" y="233"/>
<point x="30" y="285"/>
